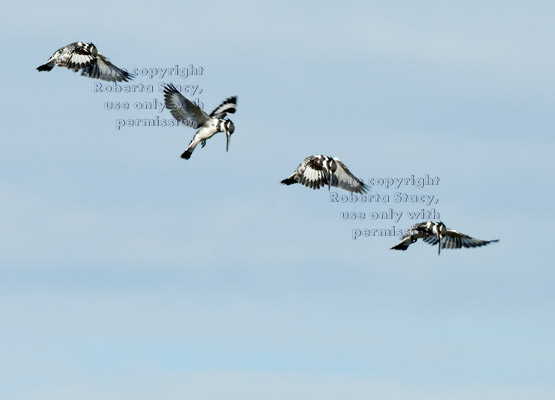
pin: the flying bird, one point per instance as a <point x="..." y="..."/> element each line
<point x="192" y="115"/>
<point x="437" y="233"/>
<point x="84" y="57"/>
<point x="318" y="171"/>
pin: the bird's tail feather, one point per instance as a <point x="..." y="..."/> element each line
<point x="45" y="67"/>
<point x="187" y="154"/>
<point x="288" y="181"/>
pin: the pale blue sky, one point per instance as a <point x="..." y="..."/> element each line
<point x="129" y="273"/>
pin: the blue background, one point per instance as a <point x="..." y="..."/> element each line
<point x="129" y="273"/>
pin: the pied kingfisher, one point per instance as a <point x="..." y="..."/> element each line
<point x="192" y="115"/>
<point x="434" y="232"/>
<point x="85" y="57"/>
<point x="318" y="171"/>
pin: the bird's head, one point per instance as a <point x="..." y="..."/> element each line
<point x="229" y="129"/>
<point x="331" y="165"/>
<point x="93" y="49"/>
<point x="441" y="228"/>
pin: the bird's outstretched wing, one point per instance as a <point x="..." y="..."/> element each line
<point x="456" y="240"/>
<point x="228" y="106"/>
<point x="344" y="179"/>
<point x="182" y="109"/>
<point x="77" y="55"/>
<point x="103" y="69"/>
<point x="311" y="172"/>
<point x="432" y="240"/>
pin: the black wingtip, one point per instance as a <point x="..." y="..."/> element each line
<point x="186" y="155"/>
<point x="364" y="189"/>
<point x="232" y="99"/>
<point x="128" y="76"/>
<point x="170" y="88"/>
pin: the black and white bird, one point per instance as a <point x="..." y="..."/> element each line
<point x="318" y="171"/>
<point x="437" y="233"/>
<point x="84" y="57"/>
<point x="192" y="115"/>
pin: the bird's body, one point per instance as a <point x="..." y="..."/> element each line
<point x="209" y="129"/>
<point x="192" y="115"/>
<point x="84" y="57"/>
<point x="318" y="171"/>
<point x="437" y="233"/>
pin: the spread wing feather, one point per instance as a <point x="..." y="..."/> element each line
<point x="105" y="70"/>
<point x="182" y="109"/>
<point x="344" y="179"/>
<point x="228" y="106"/>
